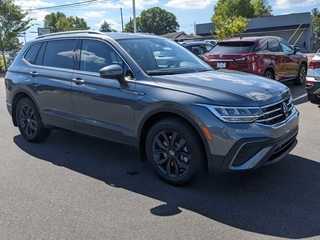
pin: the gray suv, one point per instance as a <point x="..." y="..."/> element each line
<point x="184" y="117"/>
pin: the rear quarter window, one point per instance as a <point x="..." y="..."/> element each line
<point x="32" y="53"/>
<point x="232" y="47"/>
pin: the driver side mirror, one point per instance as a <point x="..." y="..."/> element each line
<point x="296" y="49"/>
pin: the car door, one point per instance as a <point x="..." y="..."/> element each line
<point x="102" y="107"/>
<point x="275" y="58"/>
<point x="50" y="70"/>
<point x="291" y="61"/>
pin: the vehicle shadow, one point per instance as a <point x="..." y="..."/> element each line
<point x="299" y="93"/>
<point x="280" y="200"/>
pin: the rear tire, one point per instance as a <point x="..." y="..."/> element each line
<point x="268" y="74"/>
<point x="29" y="121"/>
<point x="301" y="78"/>
<point x="175" y="151"/>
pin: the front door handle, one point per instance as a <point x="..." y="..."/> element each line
<point x="78" y="81"/>
<point x="34" y="74"/>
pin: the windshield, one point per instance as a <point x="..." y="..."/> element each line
<point x="232" y="47"/>
<point x="158" y="56"/>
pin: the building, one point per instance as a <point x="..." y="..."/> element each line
<point x="296" y="28"/>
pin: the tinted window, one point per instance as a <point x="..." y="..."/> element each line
<point x="32" y="53"/>
<point x="96" y="55"/>
<point x="232" y="47"/>
<point x="41" y="54"/>
<point x="273" y="45"/>
<point x="262" y="45"/>
<point x="286" y="48"/>
<point x="60" y="54"/>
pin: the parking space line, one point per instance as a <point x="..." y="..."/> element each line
<point x="297" y="98"/>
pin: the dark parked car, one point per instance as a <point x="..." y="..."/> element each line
<point x="267" y="56"/>
<point x="183" y="116"/>
<point x="198" y="47"/>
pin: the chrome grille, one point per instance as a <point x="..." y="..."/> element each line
<point x="275" y="113"/>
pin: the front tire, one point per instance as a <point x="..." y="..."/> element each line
<point x="301" y="78"/>
<point x="175" y="151"/>
<point x="29" y="121"/>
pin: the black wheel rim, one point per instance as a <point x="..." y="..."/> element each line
<point x="302" y="73"/>
<point x="28" y="121"/>
<point x="171" y="154"/>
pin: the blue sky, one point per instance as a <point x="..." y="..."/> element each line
<point x="188" y="12"/>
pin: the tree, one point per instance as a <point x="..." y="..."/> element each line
<point x="105" y="27"/>
<point x="59" y="22"/>
<point x="231" y="17"/>
<point x="232" y="8"/>
<point x="261" y="8"/>
<point x="50" y="20"/>
<point x="129" y="26"/>
<point x="315" y="17"/>
<point x="228" y="27"/>
<point x="13" y="21"/>
<point x="158" y="21"/>
<point x="154" y="20"/>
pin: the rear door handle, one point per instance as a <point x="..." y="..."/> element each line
<point x="34" y="74"/>
<point x="78" y="81"/>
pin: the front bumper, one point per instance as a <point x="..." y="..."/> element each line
<point x="252" y="153"/>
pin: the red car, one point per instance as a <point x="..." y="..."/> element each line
<point x="267" y="56"/>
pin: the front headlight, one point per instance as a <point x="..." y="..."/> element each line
<point x="234" y="114"/>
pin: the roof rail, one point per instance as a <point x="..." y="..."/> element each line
<point x="70" y="32"/>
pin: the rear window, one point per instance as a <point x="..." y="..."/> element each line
<point x="232" y="47"/>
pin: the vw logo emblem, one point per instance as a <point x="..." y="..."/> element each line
<point x="285" y="109"/>
<point x="220" y="56"/>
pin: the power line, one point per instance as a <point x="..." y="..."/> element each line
<point x="72" y="4"/>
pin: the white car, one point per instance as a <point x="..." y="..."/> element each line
<point x="313" y="79"/>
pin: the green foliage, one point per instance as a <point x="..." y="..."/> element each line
<point x="129" y="26"/>
<point x="13" y="21"/>
<point x="315" y="17"/>
<point x="261" y="8"/>
<point x="105" y="27"/>
<point x="154" y="20"/>
<point x="59" y="22"/>
<point x="231" y="17"/>
<point x="158" y="21"/>
<point x="228" y="27"/>
<point x="232" y="8"/>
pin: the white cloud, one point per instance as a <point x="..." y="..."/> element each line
<point x="190" y="4"/>
<point x="139" y="4"/>
<point x="34" y="4"/>
<point x="92" y="14"/>
<point x="286" y="4"/>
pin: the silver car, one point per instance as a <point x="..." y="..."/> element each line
<point x="183" y="116"/>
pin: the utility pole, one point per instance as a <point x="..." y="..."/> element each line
<point x="121" y="19"/>
<point x="134" y="16"/>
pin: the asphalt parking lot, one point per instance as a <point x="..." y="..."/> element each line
<point x="76" y="187"/>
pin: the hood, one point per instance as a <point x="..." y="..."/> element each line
<point x="227" y="87"/>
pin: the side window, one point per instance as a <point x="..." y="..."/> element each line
<point x="60" y="53"/>
<point x="41" y="54"/>
<point x="96" y="55"/>
<point x="207" y="48"/>
<point x="261" y="46"/>
<point x="32" y="53"/>
<point x="286" y="48"/>
<point x="273" y="45"/>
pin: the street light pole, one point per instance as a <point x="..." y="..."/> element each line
<point x="134" y="16"/>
